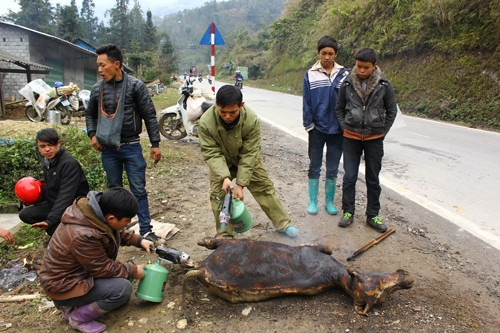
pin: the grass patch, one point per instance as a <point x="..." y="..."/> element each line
<point x="26" y="238"/>
<point x="168" y="98"/>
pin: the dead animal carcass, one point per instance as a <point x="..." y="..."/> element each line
<point x="242" y="270"/>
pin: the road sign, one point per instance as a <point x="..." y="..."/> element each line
<point x="207" y="40"/>
<point x="212" y="37"/>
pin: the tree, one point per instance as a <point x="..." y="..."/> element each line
<point x="150" y="35"/>
<point x="167" y="61"/>
<point x="119" y="24"/>
<point x="68" y="22"/>
<point x="136" y="28"/>
<point x="34" y="14"/>
<point x="88" y="21"/>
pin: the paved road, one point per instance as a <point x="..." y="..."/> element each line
<point x="450" y="170"/>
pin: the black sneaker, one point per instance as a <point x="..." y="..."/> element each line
<point x="376" y="223"/>
<point x="346" y="219"/>
<point x="151" y="236"/>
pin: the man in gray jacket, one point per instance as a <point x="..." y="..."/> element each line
<point x="117" y="106"/>
<point x="366" y="109"/>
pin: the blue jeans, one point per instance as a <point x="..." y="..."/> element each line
<point x="130" y="157"/>
<point x="317" y="141"/>
<point x="373" y="151"/>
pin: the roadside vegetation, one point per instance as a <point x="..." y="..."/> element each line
<point x="442" y="56"/>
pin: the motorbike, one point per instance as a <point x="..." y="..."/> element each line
<point x="179" y="120"/>
<point x="239" y="83"/>
<point x="68" y="100"/>
<point x="36" y="107"/>
<point x="74" y="101"/>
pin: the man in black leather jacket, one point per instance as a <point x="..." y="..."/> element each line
<point x="117" y="106"/>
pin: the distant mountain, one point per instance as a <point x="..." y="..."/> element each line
<point x="161" y="9"/>
<point x="186" y="27"/>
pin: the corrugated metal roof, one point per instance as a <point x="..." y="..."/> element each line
<point x="7" y="57"/>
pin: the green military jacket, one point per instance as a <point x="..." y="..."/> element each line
<point x="239" y="147"/>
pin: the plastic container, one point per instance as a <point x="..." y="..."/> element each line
<point x="241" y="220"/>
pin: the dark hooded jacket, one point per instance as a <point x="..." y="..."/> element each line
<point x="369" y="112"/>
<point x="64" y="182"/>
<point x="83" y="248"/>
<point x="138" y="106"/>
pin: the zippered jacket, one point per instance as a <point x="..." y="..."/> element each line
<point x="83" y="248"/>
<point x="138" y="106"/>
<point x="319" y="92"/>
<point x="370" y="112"/>
<point x="64" y="182"/>
<point x="239" y="147"/>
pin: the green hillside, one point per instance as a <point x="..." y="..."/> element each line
<point x="441" y="55"/>
<point x="187" y="27"/>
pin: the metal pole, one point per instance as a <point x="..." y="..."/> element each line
<point x="212" y="55"/>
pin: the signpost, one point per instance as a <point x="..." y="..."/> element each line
<point x="212" y="37"/>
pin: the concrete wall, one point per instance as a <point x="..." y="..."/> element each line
<point x="15" y="42"/>
<point x="36" y="48"/>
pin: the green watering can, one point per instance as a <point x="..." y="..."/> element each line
<point x="241" y="220"/>
<point x="152" y="285"/>
<point x="234" y="212"/>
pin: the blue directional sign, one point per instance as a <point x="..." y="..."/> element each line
<point x="206" y="40"/>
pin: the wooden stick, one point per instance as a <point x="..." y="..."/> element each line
<point x="373" y="242"/>
<point x="17" y="298"/>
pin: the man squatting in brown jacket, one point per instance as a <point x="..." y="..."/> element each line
<point x="80" y="272"/>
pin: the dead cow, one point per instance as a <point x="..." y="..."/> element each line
<point x="242" y="270"/>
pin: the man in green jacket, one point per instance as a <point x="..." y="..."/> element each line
<point x="230" y="143"/>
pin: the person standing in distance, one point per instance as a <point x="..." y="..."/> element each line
<point x="117" y="106"/>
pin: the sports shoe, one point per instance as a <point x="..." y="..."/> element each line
<point x="151" y="236"/>
<point x="291" y="231"/>
<point x="376" y="223"/>
<point x="346" y="219"/>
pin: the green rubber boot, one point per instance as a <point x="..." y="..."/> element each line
<point x="312" y="207"/>
<point x="330" y="187"/>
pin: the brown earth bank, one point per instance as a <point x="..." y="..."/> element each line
<point x="456" y="287"/>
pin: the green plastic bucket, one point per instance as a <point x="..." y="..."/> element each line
<point x="152" y="285"/>
<point x="241" y="220"/>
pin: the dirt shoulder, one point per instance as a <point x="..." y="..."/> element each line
<point x="456" y="288"/>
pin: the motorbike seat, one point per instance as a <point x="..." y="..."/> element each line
<point x="206" y="105"/>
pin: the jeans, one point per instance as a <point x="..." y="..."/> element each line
<point x="109" y="294"/>
<point x="317" y="141"/>
<point x="114" y="160"/>
<point x="373" y="151"/>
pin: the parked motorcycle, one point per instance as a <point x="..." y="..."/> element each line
<point x="36" y="107"/>
<point x="68" y="100"/>
<point x="74" y="101"/>
<point x="182" y="119"/>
